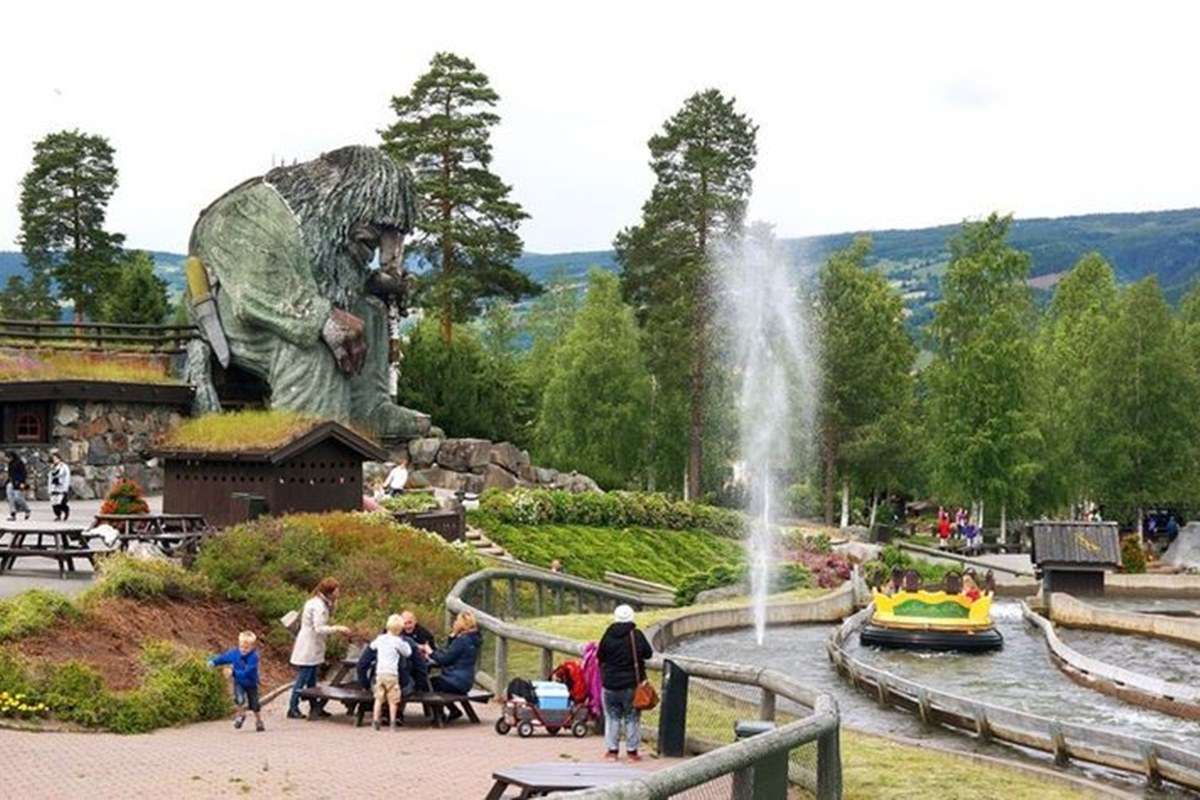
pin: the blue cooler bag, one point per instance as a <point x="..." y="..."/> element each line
<point x="552" y="696"/>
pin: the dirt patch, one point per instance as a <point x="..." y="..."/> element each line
<point x="110" y="636"/>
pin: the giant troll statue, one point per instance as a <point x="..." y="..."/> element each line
<point x="281" y="284"/>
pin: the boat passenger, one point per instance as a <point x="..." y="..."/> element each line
<point x="970" y="589"/>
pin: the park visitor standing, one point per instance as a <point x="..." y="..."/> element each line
<point x="391" y="650"/>
<point x="14" y="486"/>
<point x="308" y="653"/>
<point x="622" y="654"/>
<point x="59" y="486"/>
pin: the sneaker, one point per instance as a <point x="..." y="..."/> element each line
<point x="294" y="713"/>
<point x="633" y="757"/>
<point x="611" y="755"/>
<point x="26" y="515"/>
<point x="259" y="727"/>
<point x="239" y="721"/>
<point x="375" y="724"/>
<point x="322" y="713"/>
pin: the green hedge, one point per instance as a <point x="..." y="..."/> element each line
<point x="609" y="509"/>
<point x="123" y="575"/>
<point x="784" y="578"/>
<point x="664" y="556"/>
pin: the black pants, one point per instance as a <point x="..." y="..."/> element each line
<point x="61" y="509"/>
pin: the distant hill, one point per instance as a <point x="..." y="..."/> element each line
<point x="1162" y="243"/>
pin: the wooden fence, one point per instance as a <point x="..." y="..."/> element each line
<point x="96" y="335"/>
<point x="739" y="759"/>
<point x="1156" y="761"/>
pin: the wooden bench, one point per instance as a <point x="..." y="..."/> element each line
<point x="65" y="558"/>
<point x="357" y="700"/>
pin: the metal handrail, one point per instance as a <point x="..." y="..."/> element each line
<point x="822" y="725"/>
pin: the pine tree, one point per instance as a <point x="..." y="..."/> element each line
<point x="139" y="296"/>
<point x="64" y="199"/>
<point x="866" y="359"/>
<point x="981" y="425"/>
<point x="702" y="162"/>
<point x="467" y="232"/>
<point x="31" y="298"/>
<point x="598" y="368"/>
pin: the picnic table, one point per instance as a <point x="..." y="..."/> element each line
<point x="535" y="780"/>
<point x="174" y="534"/>
<point x="63" y="544"/>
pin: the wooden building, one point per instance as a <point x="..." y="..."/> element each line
<point x="1072" y="556"/>
<point x="320" y="470"/>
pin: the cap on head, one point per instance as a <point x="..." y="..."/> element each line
<point x="622" y="613"/>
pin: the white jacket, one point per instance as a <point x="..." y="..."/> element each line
<point x="59" y="481"/>
<point x="309" y="648"/>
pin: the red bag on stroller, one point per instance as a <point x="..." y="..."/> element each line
<point x="571" y="674"/>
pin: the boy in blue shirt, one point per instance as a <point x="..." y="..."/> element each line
<point x="243" y="660"/>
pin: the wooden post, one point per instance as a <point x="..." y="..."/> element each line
<point x="982" y="729"/>
<point x="486" y="599"/>
<point x="547" y="663"/>
<point x="512" y="598"/>
<point x="1150" y="759"/>
<point x="829" y="765"/>
<point x="558" y="599"/>
<point x="579" y="601"/>
<point x="541" y="599"/>
<point x="923" y="706"/>
<point x="672" y="715"/>
<point x="1058" y="743"/>
<point x="766" y="706"/>
<point x="501" y="665"/>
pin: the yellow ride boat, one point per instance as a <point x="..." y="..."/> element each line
<point x="932" y="620"/>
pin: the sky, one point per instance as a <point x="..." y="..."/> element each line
<point x="871" y="115"/>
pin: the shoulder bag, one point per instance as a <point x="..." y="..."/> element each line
<point x="645" y="697"/>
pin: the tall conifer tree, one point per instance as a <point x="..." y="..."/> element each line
<point x="467" y="231"/>
<point x="702" y="160"/>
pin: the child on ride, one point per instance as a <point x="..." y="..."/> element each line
<point x="970" y="589"/>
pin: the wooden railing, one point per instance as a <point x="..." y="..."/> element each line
<point x="96" y="335"/>
<point x="1156" y="761"/>
<point x="474" y="593"/>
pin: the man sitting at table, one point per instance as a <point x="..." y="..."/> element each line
<point x="419" y="637"/>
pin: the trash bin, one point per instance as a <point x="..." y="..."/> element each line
<point x="767" y="779"/>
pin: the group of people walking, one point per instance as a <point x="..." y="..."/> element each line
<point x="962" y="527"/>
<point x="16" y="485"/>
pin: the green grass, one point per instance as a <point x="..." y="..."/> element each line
<point x="123" y="575"/>
<point x="664" y="556"/>
<point x="240" y="430"/>
<point x="46" y="366"/>
<point x="410" y="502"/>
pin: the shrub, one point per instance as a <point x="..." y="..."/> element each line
<point x="125" y="497"/>
<point x="273" y="565"/>
<point x="123" y="575"/>
<point x="411" y="502"/>
<point x="611" y="509"/>
<point x="32" y="611"/>
<point x="784" y="578"/>
<point x="13" y="677"/>
<point x="803" y="500"/>
<point x="930" y="573"/>
<point x="1133" y="555"/>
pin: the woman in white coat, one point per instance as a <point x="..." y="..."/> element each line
<point x="308" y="653"/>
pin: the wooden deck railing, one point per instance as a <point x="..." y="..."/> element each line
<point x="739" y="759"/>
<point x="96" y="335"/>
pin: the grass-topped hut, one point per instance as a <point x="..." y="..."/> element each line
<point x="1072" y="556"/>
<point x="294" y="463"/>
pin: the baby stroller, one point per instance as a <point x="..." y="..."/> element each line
<point x="542" y="704"/>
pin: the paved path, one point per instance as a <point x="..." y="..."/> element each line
<point x="37" y="573"/>
<point x="293" y="758"/>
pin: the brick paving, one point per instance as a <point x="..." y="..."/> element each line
<point x="329" y="758"/>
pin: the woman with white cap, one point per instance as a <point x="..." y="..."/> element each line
<point x="622" y="654"/>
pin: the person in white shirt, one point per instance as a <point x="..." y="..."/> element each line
<point x="389" y="647"/>
<point x="59" y="486"/>
<point x="396" y="480"/>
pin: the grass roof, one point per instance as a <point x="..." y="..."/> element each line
<point x="42" y="366"/>
<point x="240" y="430"/>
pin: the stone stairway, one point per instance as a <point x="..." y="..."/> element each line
<point x="485" y="546"/>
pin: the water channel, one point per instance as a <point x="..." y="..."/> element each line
<point x="1020" y="676"/>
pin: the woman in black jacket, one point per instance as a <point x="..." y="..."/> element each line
<point x="622" y="653"/>
<point x="14" y="487"/>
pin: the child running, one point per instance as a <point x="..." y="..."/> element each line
<point x="243" y="660"/>
<point x="389" y="649"/>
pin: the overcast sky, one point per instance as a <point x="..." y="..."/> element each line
<point x="871" y="115"/>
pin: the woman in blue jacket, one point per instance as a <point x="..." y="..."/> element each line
<point x="458" y="659"/>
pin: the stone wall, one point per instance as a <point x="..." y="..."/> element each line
<point x="101" y="443"/>
<point x="474" y="465"/>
